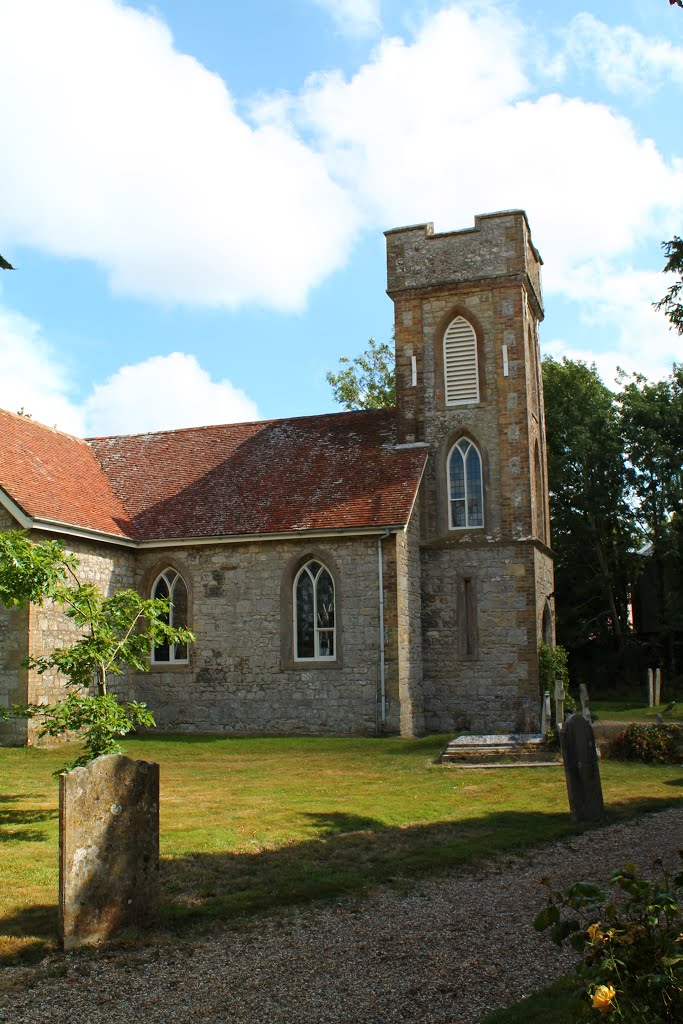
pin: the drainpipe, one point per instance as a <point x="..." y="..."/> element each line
<point x="382" y="687"/>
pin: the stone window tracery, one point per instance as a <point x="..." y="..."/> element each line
<point x="465" y="486"/>
<point x="170" y="585"/>
<point x="314" y="613"/>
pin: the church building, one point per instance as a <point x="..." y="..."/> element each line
<point x="385" y="571"/>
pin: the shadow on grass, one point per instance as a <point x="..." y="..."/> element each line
<point x="346" y="854"/>
<point x="12" y="822"/>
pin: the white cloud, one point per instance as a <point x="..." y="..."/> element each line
<point x="118" y="149"/>
<point x="418" y="135"/>
<point x="609" y="296"/>
<point x="163" y="393"/>
<point x="624" y="59"/>
<point x="31" y="377"/>
<point x="353" y="17"/>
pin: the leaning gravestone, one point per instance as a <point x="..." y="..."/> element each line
<point x="581" y="770"/>
<point x="108" y="848"/>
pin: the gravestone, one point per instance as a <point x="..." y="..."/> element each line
<point x="108" y="848"/>
<point x="585" y="706"/>
<point x="650" y="688"/>
<point x="559" y="703"/>
<point x="581" y="770"/>
<point x="546" y="713"/>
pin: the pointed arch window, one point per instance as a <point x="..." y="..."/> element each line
<point x="465" y="487"/>
<point x="170" y="585"/>
<point x="314" y="618"/>
<point x="461" y="371"/>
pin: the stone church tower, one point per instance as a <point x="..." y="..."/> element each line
<point x="467" y="308"/>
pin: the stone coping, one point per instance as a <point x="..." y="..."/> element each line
<point x="496" y="739"/>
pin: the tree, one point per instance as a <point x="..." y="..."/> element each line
<point x="367" y="382"/>
<point x="592" y="522"/>
<point x="4" y="265"/>
<point x="116" y="633"/>
<point x="672" y="303"/>
<point x="652" y="429"/>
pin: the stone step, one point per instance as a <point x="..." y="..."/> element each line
<point x="483" y="766"/>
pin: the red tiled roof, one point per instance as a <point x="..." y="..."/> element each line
<point x="55" y="476"/>
<point x="310" y="473"/>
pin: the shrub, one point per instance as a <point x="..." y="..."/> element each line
<point x="656" y="744"/>
<point x="552" y="664"/>
<point x="631" y="943"/>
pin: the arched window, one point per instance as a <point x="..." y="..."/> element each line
<point x="171" y="586"/>
<point x="314" y="629"/>
<point x="465" y="489"/>
<point x="461" y="372"/>
<point x="547" y="631"/>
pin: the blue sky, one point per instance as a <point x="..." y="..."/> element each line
<point x="194" y="194"/>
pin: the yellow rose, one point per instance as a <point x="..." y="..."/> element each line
<point x="602" y="997"/>
<point x="594" y="931"/>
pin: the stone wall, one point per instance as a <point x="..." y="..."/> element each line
<point x="13" y="649"/>
<point x="108" y="567"/>
<point x="241" y="677"/>
<point x="495" y="687"/>
<point x="409" y="632"/>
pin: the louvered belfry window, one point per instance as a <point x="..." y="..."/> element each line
<point x="461" y="374"/>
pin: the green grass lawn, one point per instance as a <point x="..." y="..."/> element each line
<point x="632" y="711"/>
<point x="248" y="824"/>
<point x="557" y="1004"/>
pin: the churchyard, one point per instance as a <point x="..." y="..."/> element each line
<point x="249" y="825"/>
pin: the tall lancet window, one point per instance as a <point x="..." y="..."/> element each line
<point x="465" y="488"/>
<point x="461" y="372"/>
<point x="171" y="586"/>
<point x="314" y="629"/>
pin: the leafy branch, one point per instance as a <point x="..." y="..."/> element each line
<point x="116" y="633"/>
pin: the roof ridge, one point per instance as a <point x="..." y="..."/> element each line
<point x="24" y="418"/>
<point x="242" y="423"/>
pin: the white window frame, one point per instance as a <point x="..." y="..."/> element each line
<point x="317" y="630"/>
<point x="170" y="583"/>
<point x="460" y="363"/>
<point x="463" y="445"/>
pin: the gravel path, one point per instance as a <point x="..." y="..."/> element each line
<point x="447" y="952"/>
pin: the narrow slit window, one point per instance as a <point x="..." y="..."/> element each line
<point x="468" y="626"/>
<point x="171" y="586"/>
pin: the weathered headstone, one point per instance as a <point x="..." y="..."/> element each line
<point x="108" y="848"/>
<point x="585" y="708"/>
<point x="559" y="703"/>
<point x="658" y="687"/>
<point x="545" y="713"/>
<point x="581" y="770"/>
<point x="650" y="688"/>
